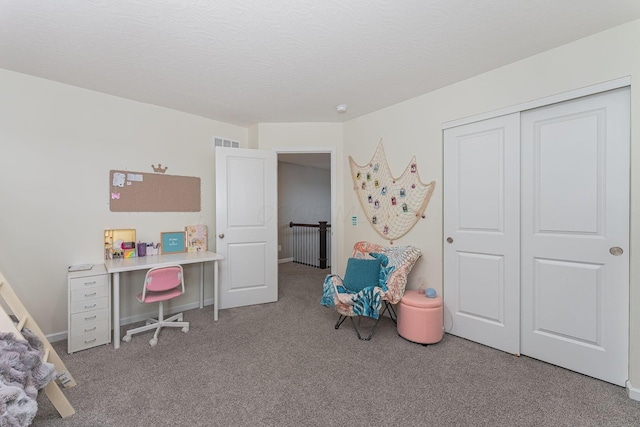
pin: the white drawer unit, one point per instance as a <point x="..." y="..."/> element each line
<point x="89" y="308"/>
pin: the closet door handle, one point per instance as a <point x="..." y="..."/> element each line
<point x="221" y="235"/>
<point x="449" y="240"/>
<point x="616" y="251"/>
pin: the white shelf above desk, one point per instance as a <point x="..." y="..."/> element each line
<point x="120" y="265"/>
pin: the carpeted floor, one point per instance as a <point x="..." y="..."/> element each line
<point x="284" y="364"/>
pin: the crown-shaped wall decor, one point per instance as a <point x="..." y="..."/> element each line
<point x="159" y="169"/>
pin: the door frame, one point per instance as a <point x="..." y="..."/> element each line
<point x="334" y="210"/>
<point x="542" y="102"/>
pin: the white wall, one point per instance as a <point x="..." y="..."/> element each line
<point x="304" y="196"/>
<point x="274" y="135"/>
<point x="57" y="146"/>
<point x="415" y="127"/>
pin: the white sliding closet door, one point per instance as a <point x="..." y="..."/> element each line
<point x="482" y="230"/>
<point x="536" y="228"/>
<point x="575" y="234"/>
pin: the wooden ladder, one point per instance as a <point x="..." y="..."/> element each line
<point x="52" y="390"/>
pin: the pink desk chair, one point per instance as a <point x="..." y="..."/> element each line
<point x="161" y="284"/>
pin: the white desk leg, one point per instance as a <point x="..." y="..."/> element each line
<point x="215" y="290"/>
<point x="201" y="284"/>
<point x="116" y="310"/>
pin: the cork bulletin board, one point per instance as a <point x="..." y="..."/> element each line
<point x="153" y="192"/>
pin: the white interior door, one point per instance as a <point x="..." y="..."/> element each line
<point x="575" y="213"/>
<point x="481" y="229"/>
<point x="246" y="226"/>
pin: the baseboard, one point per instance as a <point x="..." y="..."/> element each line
<point x="632" y="392"/>
<point x="283" y="260"/>
<point x="59" y="336"/>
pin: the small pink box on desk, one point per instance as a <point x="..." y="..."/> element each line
<point x="420" y="319"/>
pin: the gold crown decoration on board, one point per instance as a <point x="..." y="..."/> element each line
<point x="159" y="169"/>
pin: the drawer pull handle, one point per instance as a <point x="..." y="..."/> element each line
<point x="90" y="295"/>
<point x="90" y="318"/>
<point x="90" y="329"/>
<point x="88" y="341"/>
<point x="90" y="283"/>
<point x="90" y="306"/>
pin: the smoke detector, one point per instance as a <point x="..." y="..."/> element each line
<point x="341" y="108"/>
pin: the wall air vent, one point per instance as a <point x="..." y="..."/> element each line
<point x="223" y="142"/>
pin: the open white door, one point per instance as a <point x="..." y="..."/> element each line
<point x="246" y="226"/>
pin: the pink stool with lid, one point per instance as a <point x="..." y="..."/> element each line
<point x="420" y="318"/>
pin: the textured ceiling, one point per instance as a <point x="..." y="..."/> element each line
<point x="251" y="61"/>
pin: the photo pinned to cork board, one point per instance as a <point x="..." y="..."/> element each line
<point x="131" y="191"/>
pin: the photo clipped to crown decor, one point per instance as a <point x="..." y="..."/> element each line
<point x="392" y="205"/>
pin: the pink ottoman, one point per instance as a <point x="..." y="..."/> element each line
<point x="420" y="318"/>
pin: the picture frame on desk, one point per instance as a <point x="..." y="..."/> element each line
<point x="196" y="238"/>
<point x="172" y="242"/>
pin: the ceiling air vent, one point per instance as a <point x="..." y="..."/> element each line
<point x="222" y="142"/>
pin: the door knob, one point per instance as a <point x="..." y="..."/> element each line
<point x="221" y="235"/>
<point x="449" y="240"/>
<point x="616" y="251"/>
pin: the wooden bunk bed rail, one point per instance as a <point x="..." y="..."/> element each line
<point x="52" y="390"/>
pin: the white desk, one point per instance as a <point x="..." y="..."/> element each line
<point x="117" y="266"/>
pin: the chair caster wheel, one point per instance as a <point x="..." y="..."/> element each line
<point x="185" y="329"/>
<point x="126" y="338"/>
<point x="153" y="342"/>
